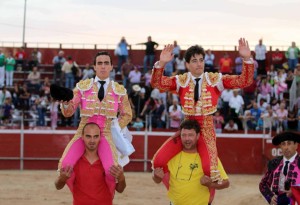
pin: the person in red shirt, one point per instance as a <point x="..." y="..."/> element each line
<point x="226" y="64"/>
<point x="277" y="59"/>
<point x="88" y="175"/>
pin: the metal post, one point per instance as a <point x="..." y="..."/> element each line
<point x="24" y="24"/>
<point x="146" y="145"/>
<point x="22" y="143"/>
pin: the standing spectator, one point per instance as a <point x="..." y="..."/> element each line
<point x="149" y="53"/>
<point x="9" y="69"/>
<point x="225" y="64"/>
<point x="180" y="64"/>
<point x="2" y="68"/>
<point x="249" y="93"/>
<point x="123" y="53"/>
<point x="292" y="54"/>
<point x="34" y="78"/>
<point x="41" y="103"/>
<point x="33" y="61"/>
<point x="134" y="76"/>
<point x="58" y="62"/>
<point x="260" y="57"/>
<point x="39" y="56"/>
<point x="277" y="59"/>
<point x="125" y="70"/>
<point x="176" y="50"/>
<point x="87" y="72"/>
<point x="209" y="61"/>
<point x="15" y="96"/>
<point x="292" y="121"/>
<point x="53" y="107"/>
<point x="20" y="58"/>
<point x="226" y="95"/>
<point x="68" y="68"/>
<point x="236" y="104"/>
<point x="238" y="65"/>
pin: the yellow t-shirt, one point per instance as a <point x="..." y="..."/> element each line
<point x="185" y="173"/>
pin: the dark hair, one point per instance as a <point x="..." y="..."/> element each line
<point x="69" y="58"/>
<point x="191" y="51"/>
<point x="102" y="53"/>
<point x="190" y="124"/>
<point x="88" y="124"/>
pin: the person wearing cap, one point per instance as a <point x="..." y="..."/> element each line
<point x="105" y="103"/>
<point x="199" y="92"/>
<point x="283" y="171"/>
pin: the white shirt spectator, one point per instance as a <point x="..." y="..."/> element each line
<point x="236" y="103"/>
<point x="231" y="128"/>
<point x="3" y="96"/>
<point x="180" y="64"/>
<point x="134" y="77"/>
<point x="226" y="95"/>
<point x="260" y="52"/>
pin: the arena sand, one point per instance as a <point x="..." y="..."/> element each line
<point x="37" y="188"/>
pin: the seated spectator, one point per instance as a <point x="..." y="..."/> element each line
<point x="264" y="91"/>
<point x="24" y="97"/>
<point x="231" y="126"/>
<point x="255" y="114"/>
<point x="34" y="78"/>
<point x="125" y="70"/>
<point x="45" y="87"/>
<point x="137" y="100"/>
<point x="218" y="121"/>
<point x="175" y="117"/>
<point x="33" y="61"/>
<point x="7" y="109"/>
<point x="4" y="93"/>
<point x="134" y="76"/>
<point x="282" y="114"/>
<point x="279" y="85"/>
<point x="209" y="61"/>
<point x="277" y="59"/>
<point x="236" y="104"/>
<point x="270" y="120"/>
<point x="225" y="64"/>
<point x="138" y="124"/>
<point x="158" y="115"/>
<point x="88" y="72"/>
<point x="16" y="95"/>
<point x="292" y="121"/>
<point x="147" y="77"/>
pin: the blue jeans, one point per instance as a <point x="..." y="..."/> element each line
<point x="69" y="80"/>
<point x="121" y="59"/>
<point x="149" y="58"/>
<point x="41" y="113"/>
<point x="292" y="63"/>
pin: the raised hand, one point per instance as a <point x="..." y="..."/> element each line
<point x="244" y="49"/>
<point x="166" y="55"/>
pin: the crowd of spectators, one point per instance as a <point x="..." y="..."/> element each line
<point x="272" y="102"/>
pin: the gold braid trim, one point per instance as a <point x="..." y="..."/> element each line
<point x="76" y="136"/>
<point x="240" y="81"/>
<point x="108" y="136"/>
<point x="209" y="136"/>
<point x="84" y="85"/>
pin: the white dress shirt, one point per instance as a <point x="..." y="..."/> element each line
<point x="107" y="81"/>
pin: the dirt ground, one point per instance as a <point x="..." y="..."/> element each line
<point x="37" y="187"/>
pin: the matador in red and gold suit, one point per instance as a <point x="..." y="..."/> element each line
<point x="198" y="104"/>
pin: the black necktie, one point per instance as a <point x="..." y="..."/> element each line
<point x="285" y="169"/>
<point x="196" y="93"/>
<point x="101" y="90"/>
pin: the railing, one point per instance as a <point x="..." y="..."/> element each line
<point x="113" y="46"/>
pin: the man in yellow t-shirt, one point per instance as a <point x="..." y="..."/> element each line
<point x="187" y="182"/>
